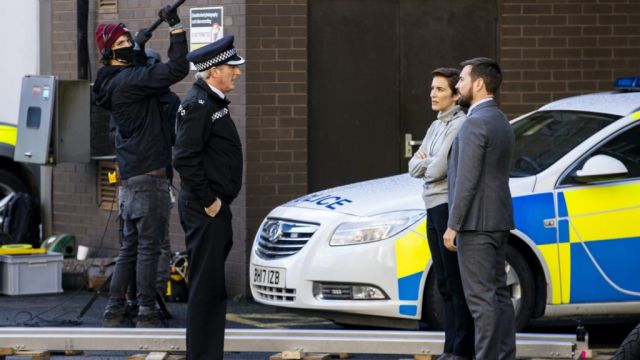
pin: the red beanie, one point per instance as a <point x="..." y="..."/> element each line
<point x="107" y="34"/>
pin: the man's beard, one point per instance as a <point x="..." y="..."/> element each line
<point x="465" y="100"/>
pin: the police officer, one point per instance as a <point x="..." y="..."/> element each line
<point x="143" y="152"/>
<point x="208" y="156"/>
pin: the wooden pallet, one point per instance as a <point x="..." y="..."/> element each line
<point x="35" y="355"/>
<point x="156" y="356"/>
<point x="299" y="355"/>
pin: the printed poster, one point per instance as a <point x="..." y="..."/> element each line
<point x="206" y="26"/>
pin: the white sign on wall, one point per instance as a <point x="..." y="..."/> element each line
<point x="206" y="26"/>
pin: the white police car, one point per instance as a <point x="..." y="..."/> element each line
<point x="359" y="253"/>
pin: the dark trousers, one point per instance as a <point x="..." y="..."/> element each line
<point x="458" y="323"/>
<point x="208" y="242"/>
<point x="144" y="210"/>
<point x="482" y="259"/>
<point x="164" y="262"/>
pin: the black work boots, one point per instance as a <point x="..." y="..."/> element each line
<point x="150" y="319"/>
<point x="144" y="318"/>
<point x="116" y="319"/>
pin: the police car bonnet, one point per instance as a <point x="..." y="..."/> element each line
<point x="217" y="53"/>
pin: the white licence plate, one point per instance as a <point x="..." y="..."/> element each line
<point x="266" y="276"/>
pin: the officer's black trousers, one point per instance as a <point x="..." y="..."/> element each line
<point x="208" y="241"/>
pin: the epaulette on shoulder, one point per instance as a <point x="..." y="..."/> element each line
<point x="193" y="102"/>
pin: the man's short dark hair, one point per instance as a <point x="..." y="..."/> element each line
<point x="452" y="75"/>
<point x="488" y="70"/>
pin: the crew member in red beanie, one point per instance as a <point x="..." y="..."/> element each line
<point x="143" y="150"/>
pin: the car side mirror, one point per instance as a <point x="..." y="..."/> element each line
<point x="601" y="168"/>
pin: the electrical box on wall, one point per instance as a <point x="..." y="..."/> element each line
<point x="35" y="119"/>
<point x="53" y="121"/>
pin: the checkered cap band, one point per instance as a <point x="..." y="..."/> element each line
<point x="216" y="60"/>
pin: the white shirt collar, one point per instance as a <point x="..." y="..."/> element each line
<point x="478" y="103"/>
<point x="216" y="90"/>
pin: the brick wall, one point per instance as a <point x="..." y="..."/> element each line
<point x="550" y="49"/>
<point x="75" y="204"/>
<point x="276" y="147"/>
<point x="76" y="212"/>
<point x="63" y="47"/>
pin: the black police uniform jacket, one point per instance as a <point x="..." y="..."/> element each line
<point x="131" y="94"/>
<point x="208" y="152"/>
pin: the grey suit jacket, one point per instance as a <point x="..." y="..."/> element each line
<point x="479" y="195"/>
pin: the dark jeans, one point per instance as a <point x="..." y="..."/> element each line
<point x="208" y="241"/>
<point x="144" y="210"/>
<point x="164" y="262"/>
<point x="458" y="323"/>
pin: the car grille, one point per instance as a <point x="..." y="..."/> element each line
<point x="281" y="238"/>
<point x="275" y="294"/>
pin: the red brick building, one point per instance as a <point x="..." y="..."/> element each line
<point x="312" y="69"/>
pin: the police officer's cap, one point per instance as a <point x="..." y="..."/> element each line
<point x="217" y="53"/>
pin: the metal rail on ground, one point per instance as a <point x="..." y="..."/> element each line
<point x="260" y="340"/>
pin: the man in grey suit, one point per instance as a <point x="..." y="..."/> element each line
<point x="481" y="213"/>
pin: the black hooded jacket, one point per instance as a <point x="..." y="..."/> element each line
<point x="131" y="93"/>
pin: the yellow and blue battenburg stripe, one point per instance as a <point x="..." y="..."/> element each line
<point x="601" y="226"/>
<point x="8" y="134"/>
<point x="412" y="257"/>
<point x="592" y="254"/>
<point x="529" y="213"/>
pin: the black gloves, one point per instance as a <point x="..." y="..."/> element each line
<point x="142" y="37"/>
<point x="170" y="17"/>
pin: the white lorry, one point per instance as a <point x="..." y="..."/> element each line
<point x="22" y="55"/>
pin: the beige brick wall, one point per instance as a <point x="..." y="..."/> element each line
<point x="550" y="49"/>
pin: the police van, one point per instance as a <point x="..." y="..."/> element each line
<point x="359" y="254"/>
<point x="25" y="15"/>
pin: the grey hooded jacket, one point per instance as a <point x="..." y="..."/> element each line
<point x="436" y="144"/>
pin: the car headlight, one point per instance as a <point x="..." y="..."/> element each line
<point x="374" y="228"/>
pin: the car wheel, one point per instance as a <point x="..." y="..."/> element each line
<point x="519" y="281"/>
<point x="630" y="348"/>
<point x="432" y="306"/>
<point x="11" y="183"/>
<point x="521" y="285"/>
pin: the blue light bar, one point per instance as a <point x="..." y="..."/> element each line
<point x="627" y="83"/>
